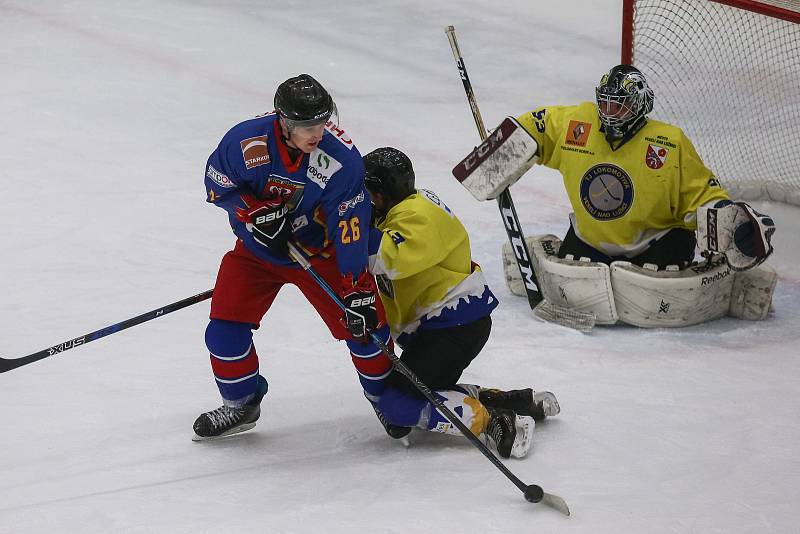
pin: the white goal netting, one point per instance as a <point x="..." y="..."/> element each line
<point x="730" y="78"/>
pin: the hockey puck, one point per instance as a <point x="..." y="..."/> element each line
<point x="533" y="493"/>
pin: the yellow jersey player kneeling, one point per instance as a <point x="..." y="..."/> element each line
<point x="642" y="200"/>
<point x="438" y="307"/>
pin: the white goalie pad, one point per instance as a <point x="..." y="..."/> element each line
<point x="751" y="297"/>
<point x="644" y="297"/>
<point x="581" y="286"/>
<point x="654" y="299"/>
<point x="498" y="162"/>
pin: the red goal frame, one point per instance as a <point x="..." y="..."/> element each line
<point x="749" y="5"/>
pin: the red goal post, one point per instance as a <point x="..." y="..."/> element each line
<point x="727" y="72"/>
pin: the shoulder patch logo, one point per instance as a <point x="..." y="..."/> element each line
<point x="606" y="192"/>
<point x="656" y="156"/>
<point x="218" y="178"/>
<point x="578" y="133"/>
<point x="347" y="204"/>
<point x="321" y="166"/>
<point x="254" y="151"/>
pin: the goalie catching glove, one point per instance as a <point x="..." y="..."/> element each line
<point x="361" y="313"/>
<point x="736" y="230"/>
<point x="266" y="220"/>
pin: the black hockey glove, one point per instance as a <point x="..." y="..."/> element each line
<point x="266" y="220"/>
<point x="361" y="313"/>
<point x="754" y="238"/>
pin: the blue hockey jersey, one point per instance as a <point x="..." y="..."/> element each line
<point x="329" y="208"/>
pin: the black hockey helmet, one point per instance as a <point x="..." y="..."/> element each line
<point x="623" y="99"/>
<point x="302" y="101"/>
<point x="389" y="172"/>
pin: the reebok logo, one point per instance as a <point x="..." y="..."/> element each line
<point x="716" y="278"/>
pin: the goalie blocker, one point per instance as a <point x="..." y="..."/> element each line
<point x="498" y="162"/>
<point x="623" y="292"/>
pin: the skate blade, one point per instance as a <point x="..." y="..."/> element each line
<point x="232" y="431"/>
<point x="524" y="440"/>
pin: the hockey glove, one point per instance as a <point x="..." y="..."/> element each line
<point x="738" y="231"/>
<point x="361" y="313"/>
<point x="266" y="220"/>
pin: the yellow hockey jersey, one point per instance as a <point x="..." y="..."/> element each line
<point x="421" y="258"/>
<point x="622" y="199"/>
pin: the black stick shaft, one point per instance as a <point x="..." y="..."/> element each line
<point x="400" y="366"/>
<point x="9" y="364"/>
<point x="504" y="201"/>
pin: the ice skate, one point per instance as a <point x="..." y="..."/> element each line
<point x="539" y="405"/>
<point x="394" y="431"/>
<point x="227" y="420"/>
<point x="512" y="433"/>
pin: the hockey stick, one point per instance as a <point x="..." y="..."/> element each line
<point x="533" y="493"/>
<point x="9" y="364"/>
<point x="543" y="309"/>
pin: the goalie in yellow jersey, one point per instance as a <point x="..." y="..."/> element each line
<point x="438" y="307"/>
<point x="635" y="184"/>
<point x="642" y="199"/>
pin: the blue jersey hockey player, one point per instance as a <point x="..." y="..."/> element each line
<point x="288" y="175"/>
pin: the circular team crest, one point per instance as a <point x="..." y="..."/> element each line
<point x="606" y="192"/>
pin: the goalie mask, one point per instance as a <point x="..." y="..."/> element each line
<point x="623" y="100"/>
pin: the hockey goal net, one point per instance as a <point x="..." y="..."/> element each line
<point x="727" y="72"/>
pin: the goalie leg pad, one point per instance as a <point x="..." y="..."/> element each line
<point x="498" y="162"/>
<point x="751" y="296"/>
<point x="581" y="286"/>
<point x="655" y="299"/>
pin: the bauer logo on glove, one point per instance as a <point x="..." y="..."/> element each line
<point x="736" y="230"/>
<point x="266" y="220"/>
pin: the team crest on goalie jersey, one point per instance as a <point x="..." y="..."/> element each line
<point x="606" y="192"/>
<point x="656" y="156"/>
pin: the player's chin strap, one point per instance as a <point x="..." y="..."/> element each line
<point x="533" y="493"/>
<point x="499" y="161"/>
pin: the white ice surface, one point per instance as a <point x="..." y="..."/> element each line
<point x="109" y="111"/>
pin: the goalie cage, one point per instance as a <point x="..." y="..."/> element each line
<point x="726" y="72"/>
